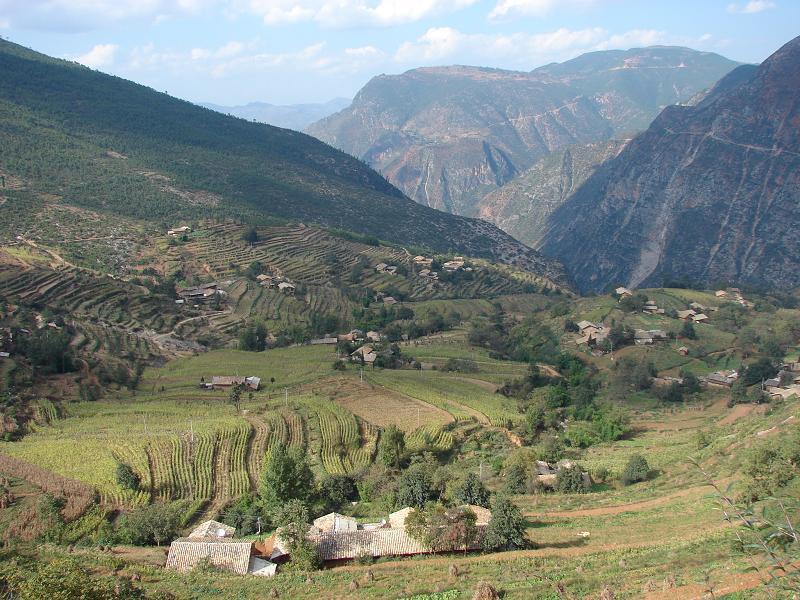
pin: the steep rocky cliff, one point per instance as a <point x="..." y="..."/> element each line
<point x="523" y="207"/>
<point x="447" y="136"/>
<point x="709" y="193"/>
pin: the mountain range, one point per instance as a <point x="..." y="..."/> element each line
<point x="288" y="116"/>
<point x="709" y="193"/>
<point x="449" y="136"/>
<point x="80" y="137"/>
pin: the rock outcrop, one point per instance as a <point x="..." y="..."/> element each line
<point x="708" y="194"/>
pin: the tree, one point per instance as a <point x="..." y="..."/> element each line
<point x="506" y="529"/>
<point x="571" y="480"/>
<point x="250" y="235"/>
<point x="472" y="491"/>
<point x="253" y="338"/>
<point x="687" y="331"/>
<point x="246" y="514"/>
<point x="287" y="476"/>
<point x="65" y="578"/>
<point x="292" y="518"/>
<point x="151" y="524"/>
<point x="758" y="371"/>
<point x="127" y="477"/>
<point x="516" y="479"/>
<point x="442" y="530"/>
<point x="415" y="487"/>
<point x="392" y="446"/>
<point x="636" y="470"/>
<point x="336" y="490"/>
<point x="235" y="396"/>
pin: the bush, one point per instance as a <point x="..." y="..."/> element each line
<point x="571" y="481"/>
<point x="152" y="524"/>
<point x="636" y="470"/>
<point x="461" y="365"/>
<point x="127" y="477"/>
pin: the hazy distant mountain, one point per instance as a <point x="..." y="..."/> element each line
<point x="447" y="136"/>
<point x="290" y="116"/>
<point x="709" y="193"/>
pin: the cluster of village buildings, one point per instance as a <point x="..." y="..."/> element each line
<point x="336" y="537"/>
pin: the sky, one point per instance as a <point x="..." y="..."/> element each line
<point x="232" y="52"/>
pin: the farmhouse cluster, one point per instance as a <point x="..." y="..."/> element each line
<point x="335" y="537"/>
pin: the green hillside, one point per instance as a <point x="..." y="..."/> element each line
<point x="107" y="144"/>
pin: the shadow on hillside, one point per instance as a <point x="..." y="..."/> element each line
<point x="576" y="543"/>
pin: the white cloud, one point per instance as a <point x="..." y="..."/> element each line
<point x="534" y="8"/>
<point x="752" y="7"/>
<point x="85" y="15"/>
<point x="101" y="56"/>
<point x="346" y="13"/>
<point x="518" y="50"/>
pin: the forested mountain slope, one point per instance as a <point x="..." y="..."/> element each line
<point x="104" y="143"/>
<point x="447" y="136"/>
<point x="709" y="193"/>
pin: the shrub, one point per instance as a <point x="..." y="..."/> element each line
<point x="571" y="481"/>
<point x="127" y="477"/>
<point x="461" y="365"/>
<point x="151" y="524"/>
<point x="636" y="470"/>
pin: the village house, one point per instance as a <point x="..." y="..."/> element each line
<point x="686" y="314"/>
<point x="454" y="265"/>
<point x="701" y="318"/>
<point x="696" y="306"/>
<point x="642" y="338"/>
<point x="384" y="268"/>
<point x="373" y="336"/>
<point x="179" y="231"/>
<point x="340" y="538"/>
<point x="365" y="353"/>
<point x="224" y="382"/>
<point x="201" y="293"/>
<point x="423" y="261"/>
<point x="683" y="351"/>
<point x="721" y="378"/>
<point x="623" y="292"/>
<point x="287" y="288"/>
<point x="650" y="307"/>
<point x="389" y="300"/>
<point x="720" y="293"/>
<point x="327" y="340"/>
<point x="213" y="542"/>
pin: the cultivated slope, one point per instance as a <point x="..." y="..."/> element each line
<point x="708" y="193"/>
<point x="111" y="145"/>
<point x="447" y="136"/>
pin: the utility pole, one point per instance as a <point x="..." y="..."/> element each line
<point x="258" y="522"/>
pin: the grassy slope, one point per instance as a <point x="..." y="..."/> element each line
<point x="108" y="144"/>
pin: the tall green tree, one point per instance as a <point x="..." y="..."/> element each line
<point x="472" y="491"/>
<point x="506" y="529"/>
<point x="392" y="446"/>
<point x="287" y="476"/>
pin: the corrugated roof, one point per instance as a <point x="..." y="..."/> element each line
<point x="225" y="553"/>
<point x="212" y="529"/>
